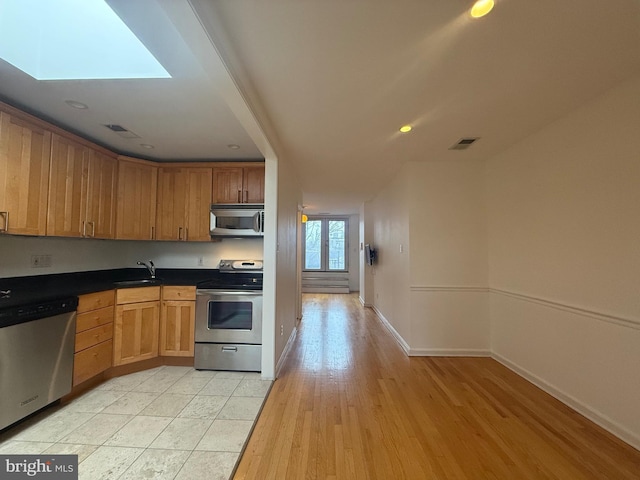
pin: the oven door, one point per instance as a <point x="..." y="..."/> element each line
<point x="228" y="316"/>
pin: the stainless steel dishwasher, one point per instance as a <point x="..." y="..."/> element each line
<point x="36" y="356"/>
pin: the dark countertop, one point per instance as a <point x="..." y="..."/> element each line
<point x="25" y="290"/>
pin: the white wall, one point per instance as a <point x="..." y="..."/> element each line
<point x="287" y="294"/>
<point x="430" y="281"/>
<point x="366" y="271"/>
<point x="391" y="271"/>
<point x="564" y="259"/>
<point x="448" y="252"/>
<point x="354" y="253"/>
<point x="75" y="255"/>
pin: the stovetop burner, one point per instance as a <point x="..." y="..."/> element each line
<point x="235" y="275"/>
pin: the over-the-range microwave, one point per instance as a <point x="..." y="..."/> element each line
<point x="237" y="220"/>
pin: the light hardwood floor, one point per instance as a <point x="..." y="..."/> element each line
<point x="350" y="404"/>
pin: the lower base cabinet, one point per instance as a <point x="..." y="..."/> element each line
<point x="177" y="321"/>
<point x="94" y="333"/>
<point x="133" y="324"/>
<point x="136" y="325"/>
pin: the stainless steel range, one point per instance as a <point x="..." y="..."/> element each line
<point x="228" y="331"/>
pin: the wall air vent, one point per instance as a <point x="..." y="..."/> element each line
<point x="464" y="143"/>
<point x="120" y="130"/>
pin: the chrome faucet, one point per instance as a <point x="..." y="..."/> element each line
<point x="150" y="266"/>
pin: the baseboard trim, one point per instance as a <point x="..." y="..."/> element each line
<point x="404" y="345"/>
<point x="448" y="352"/>
<point x="583" y="409"/>
<point x="364" y="304"/>
<point x="448" y="288"/>
<point x="285" y="352"/>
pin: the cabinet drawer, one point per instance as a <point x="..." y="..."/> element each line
<point x="94" y="336"/>
<point x="138" y="294"/>
<point x="93" y="301"/>
<point x="92" y="361"/>
<point x="93" y="319"/>
<point x="178" y="293"/>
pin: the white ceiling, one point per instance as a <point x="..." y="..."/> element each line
<point x="330" y="81"/>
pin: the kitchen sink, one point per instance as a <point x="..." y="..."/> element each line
<point x="138" y="283"/>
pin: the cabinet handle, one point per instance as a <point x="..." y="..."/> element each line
<point x="5" y="215"/>
<point x="93" y="229"/>
<point x="179" y="233"/>
<point x="84" y="228"/>
<point x="239" y="196"/>
<point x="246" y="196"/>
<point x="152" y="233"/>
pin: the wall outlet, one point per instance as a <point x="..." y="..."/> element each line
<point x="201" y="261"/>
<point x="281" y="330"/>
<point x="40" y="261"/>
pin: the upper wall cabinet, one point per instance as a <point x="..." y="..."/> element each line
<point x="137" y="188"/>
<point x="81" y="191"/>
<point x="101" y="195"/>
<point x="184" y="196"/>
<point x="24" y="176"/>
<point x="238" y="184"/>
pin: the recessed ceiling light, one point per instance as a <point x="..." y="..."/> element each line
<point x="405" y="128"/>
<point x="146" y="145"/>
<point x="233" y="146"/>
<point x="481" y="8"/>
<point x="78" y="105"/>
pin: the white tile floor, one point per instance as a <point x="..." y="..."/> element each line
<point x="164" y="423"/>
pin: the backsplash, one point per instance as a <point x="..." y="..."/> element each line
<point x="18" y="254"/>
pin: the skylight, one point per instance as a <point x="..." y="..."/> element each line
<point x="72" y="40"/>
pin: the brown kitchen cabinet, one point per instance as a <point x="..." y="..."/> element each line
<point x="82" y="189"/>
<point x="177" y="321"/>
<point x="24" y="175"/>
<point x="94" y="333"/>
<point x="184" y="197"/>
<point x="136" y="324"/>
<point x="136" y="200"/>
<point x="101" y="195"/>
<point x="238" y="184"/>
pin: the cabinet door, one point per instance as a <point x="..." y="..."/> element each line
<point x="198" y="204"/>
<point x="137" y="186"/>
<point x="24" y="176"/>
<point x="253" y="185"/>
<point x="69" y="172"/>
<point x="171" y="209"/>
<point x="101" y="196"/>
<point x="177" y="322"/>
<point x="227" y="185"/>
<point x="135" y="333"/>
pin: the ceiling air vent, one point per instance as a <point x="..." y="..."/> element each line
<point x="464" y="143"/>
<point x="120" y="130"/>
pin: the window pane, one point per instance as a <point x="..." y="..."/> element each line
<point x="313" y="244"/>
<point x="337" y="245"/>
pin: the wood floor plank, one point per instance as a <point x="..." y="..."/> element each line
<point x="349" y="404"/>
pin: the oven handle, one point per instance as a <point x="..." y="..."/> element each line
<point x="248" y="293"/>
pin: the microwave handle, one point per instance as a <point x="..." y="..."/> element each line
<point x="212" y="221"/>
<point x="256" y="222"/>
